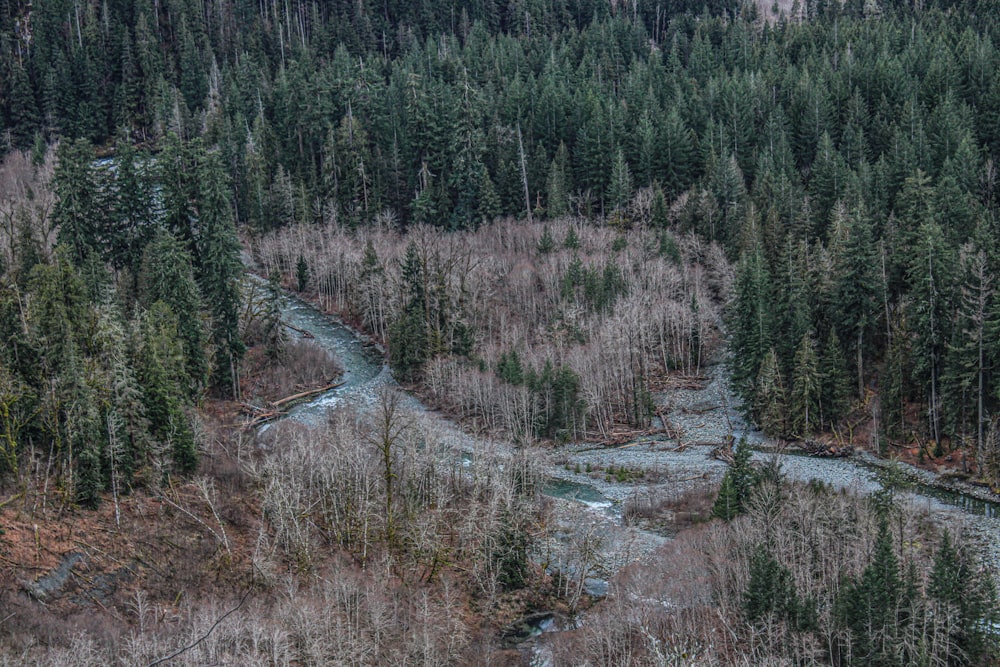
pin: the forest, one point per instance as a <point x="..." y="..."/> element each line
<point x="544" y="213"/>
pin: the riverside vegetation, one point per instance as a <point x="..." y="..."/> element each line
<point x="542" y="210"/>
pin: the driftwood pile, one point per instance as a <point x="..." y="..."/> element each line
<point x="824" y="450"/>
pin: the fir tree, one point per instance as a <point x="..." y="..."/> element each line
<point x="571" y="242"/>
<point x="408" y="333"/>
<point x="558" y="186"/>
<point x="219" y="271"/>
<point x="770" y="406"/>
<point x="546" y="243"/>
<point x="749" y="324"/>
<point x="160" y="375"/>
<point x="770" y="589"/>
<point x="869" y="607"/>
<point x="966" y="603"/>
<point x="168" y="276"/>
<point x="835" y="385"/>
<point x="738" y="484"/>
<point x="620" y="189"/>
<point x="930" y="274"/>
<point x="23" y="113"/>
<point x="301" y="274"/>
<point x="804" y="401"/>
<point x="78" y="211"/>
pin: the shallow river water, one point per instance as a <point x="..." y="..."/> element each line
<point x="698" y="416"/>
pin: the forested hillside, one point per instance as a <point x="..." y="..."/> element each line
<point x="543" y="209"/>
<point x="845" y="162"/>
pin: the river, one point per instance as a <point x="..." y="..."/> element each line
<point x="591" y="499"/>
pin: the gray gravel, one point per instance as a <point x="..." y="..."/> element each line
<point x="701" y="419"/>
<point x="704" y="418"/>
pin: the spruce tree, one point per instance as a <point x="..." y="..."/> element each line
<point x="219" y="271"/>
<point x="930" y="273"/>
<point x="869" y="607"/>
<point x="131" y="209"/>
<point x="546" y="243"/>
<point x="159" y="371"/>
<point x="738" y="484"/>
<point x="558" y="186"/>
<point x="620" y="188"/>
<point x="727" y="505"/>
<point x="804" y="401"/>
<point x="168" y="276"/>
<point x="23" y="113"/>
<point x="770" y="589"/>
<point x="78" y="211"/>
<point x="408" y="334"/>
<point x="572" y="241"/>
<point x="835" y="385"/>
<point x="966" y="603"/>
<point x="301" y="274"/>
<point x="178" y="177"/>
<point x="770" y="405"/>
<point x="853" y="255"/>
<point x="749" y="323"/>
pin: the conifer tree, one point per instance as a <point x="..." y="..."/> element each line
<point x="930" y="270"/>
<point x="159" y="371"/>
<point x="966" y="379"/>
<point x="125" y="420"/>
<point x="219" y="271"/>
<point x="546" y="243"/>
<point x="78" y="211"/>
<point x="749" y="324"/>
<point x="737" y="484"/>
<point x="558" y="184"/>
<point x="23" y="114"/>
<point x="770" y="405"/>
<point x="835" y="386"/>
<point x="301" y="274"/>
<point x="804" y="400"/>
<point x="620" y="188"/>
<point x="178" y="176"/>
<point x="894" y="380"/>
<point x="966" y="604"/>
<point x="572" y="241"/>
<point x="853" y="257"/>
<point x="130" y="226"/>
<point x="168" y="276"/>
<point x="869" y="607"/>
<point x="770" y="589"/>
<point x="408" y="336"/>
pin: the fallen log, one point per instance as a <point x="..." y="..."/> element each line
<point x="701" y="409"/>
<point x="306" y="394"/>
<point x="668" y="427"/>
<point x="691" y="382"/>
<point x="301" y="332"/>
<point x="723" y="453"/>
<point x="264" y="418"/>
<point x="253" y="410"/>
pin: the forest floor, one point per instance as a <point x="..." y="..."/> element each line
<point x="92" y="570"/>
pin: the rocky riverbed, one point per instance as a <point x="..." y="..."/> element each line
<point x="700" y="419"/>
<point x="589" y="535"/>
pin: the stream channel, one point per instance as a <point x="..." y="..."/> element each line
<point x="591" y="501"/>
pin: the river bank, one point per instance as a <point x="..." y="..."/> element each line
<point x="604" y="509"/>
<point x="701" y="419"/>
<point x="700" y="416"/>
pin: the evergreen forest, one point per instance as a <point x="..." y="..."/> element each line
<point x="543" y="214"/>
